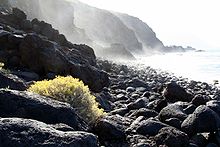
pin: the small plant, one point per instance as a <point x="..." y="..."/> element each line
<point x="72" y="91"/>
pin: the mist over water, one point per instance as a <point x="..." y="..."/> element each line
<point x="199" y="66"/>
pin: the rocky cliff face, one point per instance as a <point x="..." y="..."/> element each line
<point x="142" y="31"/>
<point x="82" y="23"/>
<point x="104" y="27"/>
<point x="99" y="28"/>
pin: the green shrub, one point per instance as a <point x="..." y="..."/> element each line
<point x="72" y="91"/>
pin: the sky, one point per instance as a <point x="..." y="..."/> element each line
<point x="193" y="23"/>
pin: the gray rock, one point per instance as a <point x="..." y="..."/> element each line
<point x="138" y="140"/>
<point x="62" y="127"/>
<point x="134" y="125"/>
<point x="136" y="83"/>
<point x="199" y="140"/>
<point x="172" y="111"/>
<point x="216" y="136"/>
<point x="150" y="127"/>
<point x="130" y="89"/>
<point x="157" y="105"/>
<point x="26" y="132"/>
<point x="104" y="102"/>
<point x="11" y="81"/>
<point x="199" y="100"/>
<point x="174" y="122"/>
<point x="33" y="106"/>
<point x="202" y="120"/>
<point x="214" y="105"/>
<point x="139" y="103"/>
<point x="26" y="25"/>
<point x="172" y="137"/>
<point x="19" y="14"/>
<point x="190" y="109"/>
<point x="212" y="145"/>
<point x="27" y="75"/>
<point x="112" y="127"/>
<point x="120" y="111"/>
<point x="147" y="113"/>
<point x="173" y="93"/>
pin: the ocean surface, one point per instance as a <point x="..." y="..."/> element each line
<point x="199" y="66"/>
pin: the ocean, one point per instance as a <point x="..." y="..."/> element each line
<point x="198" y="66"/>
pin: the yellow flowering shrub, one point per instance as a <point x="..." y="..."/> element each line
<point x="72" y="91"/>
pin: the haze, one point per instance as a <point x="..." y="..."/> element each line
<point x="180" y="22"/>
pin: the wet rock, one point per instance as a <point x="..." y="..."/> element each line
<point x="25" y="132"/>
<point x="172" y="111"/>
<point x="150" y="127"/>
<point x="173" y="92"/>
<point x="29" y="105"/>
<point x="11" y="81"/>
<point x="202" y="120"/>
<point x="172" y="137"/>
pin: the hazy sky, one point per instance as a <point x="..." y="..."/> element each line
<point x="180" y="22"/>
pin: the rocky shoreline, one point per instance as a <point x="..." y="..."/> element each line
<point x="145" y="107"/>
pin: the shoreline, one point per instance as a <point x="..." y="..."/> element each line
<point x="136" y="65"/>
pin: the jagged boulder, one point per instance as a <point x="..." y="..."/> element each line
<point x="112" y="128"/>
<point x="172" y="137"/>
<point x="203" y="119"/>
<point x="29" y="105"/>
<point x="11" y="81"/>
<point x="26" y="132"/>
<point x="149" y="127"/>
<point x="174" y="92"/>
<point x="172" y="111"/>
<point x="43" y="56"/>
